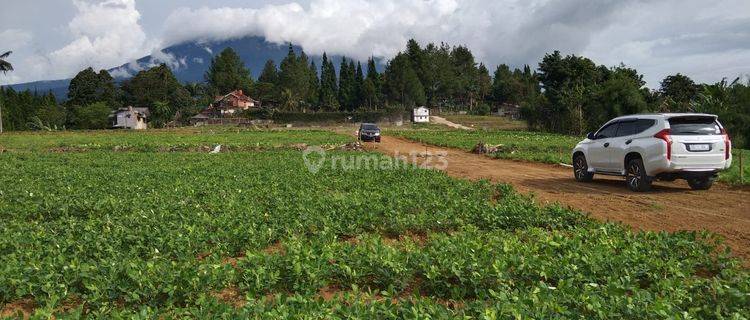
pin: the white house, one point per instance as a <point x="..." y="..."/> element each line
<point x="421" y="115"/>
<point x="129" y="118"/>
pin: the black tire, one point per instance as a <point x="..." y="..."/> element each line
<point x="580" y="169"/>
<point x="636" y="176"/>
<point x="703" y="183"/>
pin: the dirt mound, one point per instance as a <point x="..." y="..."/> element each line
<point x="482" y="148"/>
<point x="352" y="146"/>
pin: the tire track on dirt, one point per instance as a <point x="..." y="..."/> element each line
<point x="670" y="206"/>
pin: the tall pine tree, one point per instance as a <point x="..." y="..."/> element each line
<point x="295" y="78"/>
<point x="347" y="84"/>
<point x="328" y="96"/>
<point x="314" y="85"/>
<point x="373" y="86"/>
<point x="484" y="83"/>
<point x="359" y="82"/>
<point x="266" y="89"/>
<point x="465" y="69"/>
<point x="228" y="73"/>
<point x="402" y="82"/>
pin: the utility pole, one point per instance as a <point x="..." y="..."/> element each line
<point x="1" y="117"/>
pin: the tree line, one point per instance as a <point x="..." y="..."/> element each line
<point x="579" y="96"/>
<point x="565" y="94"/>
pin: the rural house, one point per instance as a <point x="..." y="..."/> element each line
<point x="129" y="118"/>
<point x="421" y="115"/>
<point x="228" y="106"/>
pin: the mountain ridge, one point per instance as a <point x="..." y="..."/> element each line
<point x="189" y="62"/>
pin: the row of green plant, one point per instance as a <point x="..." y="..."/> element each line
<point x="520" y="145"/>
<point x="143" y="234"/>
<point x="185" y="139"/>
<point x="537" y="146"/>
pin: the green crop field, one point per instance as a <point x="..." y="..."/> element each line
<point x="254" y="234"/>
<point x="534" y="146"/>
<point x="183" y="139"/>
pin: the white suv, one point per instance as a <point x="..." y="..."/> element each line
<point x="667" y="146"/>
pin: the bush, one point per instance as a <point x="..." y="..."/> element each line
<point x="93" y="116"/>
<point x="482" y="110"/>
<point x="50" y="116"/>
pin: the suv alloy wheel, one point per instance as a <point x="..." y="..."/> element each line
<point x="580" y="169"/>
<point x="636" y="176"/>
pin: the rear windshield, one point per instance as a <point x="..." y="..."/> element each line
<point x="687" y="126"/>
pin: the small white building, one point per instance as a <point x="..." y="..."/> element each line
<point x="130" y="118"/>
<point x="421" y="115"/>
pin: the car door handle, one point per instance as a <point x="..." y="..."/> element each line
<point x="606" y="145"/>
<point x="629" y="141"/>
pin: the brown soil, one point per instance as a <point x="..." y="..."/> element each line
<point x="275" y="248"/>
<point x="230" y="296"/>
<point x="24" y="307"/>
<point x="670" y="206"/>
<point x="330" y="292"/>
<point x="418" y="238"/>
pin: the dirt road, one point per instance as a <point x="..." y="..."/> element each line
<point x="671" y="206"/>
<point x="444" y="121"/>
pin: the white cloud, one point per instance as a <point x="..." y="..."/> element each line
<point x="513" y="31"/>
<point x="15" y="38"/>
<point x="105" y="33"/>
<point x="646" y="34"/>
<point x="157" y="57"/>
<point x="705" y="40"/>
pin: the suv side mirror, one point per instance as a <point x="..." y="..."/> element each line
<point x="591" y="136"/>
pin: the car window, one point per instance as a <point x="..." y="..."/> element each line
<point x="369" y="127"/>
<point x="695" y="125"/>
<point x="608" y="131"/>
<point x="626" y="128"/>
<point x="630" y="128"/>
<point x="643" y="125"/>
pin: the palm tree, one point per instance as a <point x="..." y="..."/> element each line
<point x="5" y="66"/>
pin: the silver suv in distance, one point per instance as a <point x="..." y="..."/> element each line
<point x="648" y="147"/>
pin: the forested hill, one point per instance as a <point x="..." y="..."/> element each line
<point x="189" y="62"/>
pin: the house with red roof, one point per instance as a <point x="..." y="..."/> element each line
<point x="229" y="105"/>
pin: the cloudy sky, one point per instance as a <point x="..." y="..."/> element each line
<point x="707" y="40"/>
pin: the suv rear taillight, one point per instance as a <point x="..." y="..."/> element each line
<point x="727" y="144"/>
<point x="665" y="135"/>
